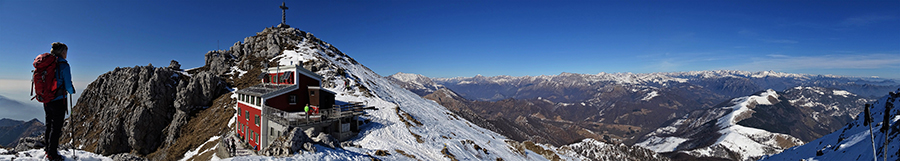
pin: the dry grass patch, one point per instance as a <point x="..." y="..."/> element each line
<point x="401" y="152"/>
<point x="521" y="147"/>
<point x="448" y="154"/>
<point x="210" y="122"/>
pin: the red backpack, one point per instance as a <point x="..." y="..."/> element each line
<point x="44" y="78"/>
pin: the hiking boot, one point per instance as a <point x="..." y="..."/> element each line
<point x="55" y="157"/>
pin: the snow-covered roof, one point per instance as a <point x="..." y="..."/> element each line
<point x="268" y="90"/>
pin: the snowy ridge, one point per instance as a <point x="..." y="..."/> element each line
<point x="640" y="78"/>
<point x="854" y="141"/>
<point x="418" y="84"/>
<point x="748" y="143"/>
<point x="435" y="128"/>
<point x="590" y="149"/>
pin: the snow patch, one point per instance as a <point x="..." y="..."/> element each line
<point x="650" y="96"/>
<point x="662" y="145"/>
<point x="842" y="93"/>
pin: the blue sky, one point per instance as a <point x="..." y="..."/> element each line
<point x="465" y="38"/>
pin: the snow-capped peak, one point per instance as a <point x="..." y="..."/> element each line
<point x="744" y="105"/>
<point x="693" y="134"/>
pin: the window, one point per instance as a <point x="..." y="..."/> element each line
<point x="292" y="99"/>
<point x="256" y="120"/>
<point x="312" y="93"/>
<point x="247" y="115"/>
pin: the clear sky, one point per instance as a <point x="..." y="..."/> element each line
<point x="465" y="38"/>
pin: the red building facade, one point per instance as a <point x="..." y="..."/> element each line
<point x="285" y="89"/>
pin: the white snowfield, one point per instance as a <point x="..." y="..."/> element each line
<point x="854" y="141"/>
<point x="748" y="142"/>
<point x="38" y="154"/>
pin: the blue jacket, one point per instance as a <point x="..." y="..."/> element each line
<point x="63" y="77"/>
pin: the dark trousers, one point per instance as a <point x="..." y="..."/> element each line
<point x="55" y="112"/>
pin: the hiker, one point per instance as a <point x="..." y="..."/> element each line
<point x="55" y="110"/>
<point x="306" y="109"/>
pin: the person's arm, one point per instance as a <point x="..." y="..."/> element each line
<point x="66" y="75"/>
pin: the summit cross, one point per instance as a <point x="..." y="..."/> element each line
<point x="283" y="10"/>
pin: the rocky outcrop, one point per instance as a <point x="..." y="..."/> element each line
<point x="266" y="44"/>
<point x="174" y="65"/>
<point x="27" y="143"/>
<point x="295" y="141"/>
<point x="138" y="109"/>
<point x="590" y="149"/>
<point x="13" y="130"/>
<point x="127" y="157"/>
<point x="193" y="95"/>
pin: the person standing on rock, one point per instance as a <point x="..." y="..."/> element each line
<point x="55" y="110"/>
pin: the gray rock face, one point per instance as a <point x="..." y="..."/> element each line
<point x="286" y="145"/>
<point x="27" y="143"/>
<point x="328" y="141"/>
<point x="174" y="65"/>
<point x="127" y="157"/>
<point x="193" y="95"/>
<point x="134" y="109"/>
<point x="266" y="44"/>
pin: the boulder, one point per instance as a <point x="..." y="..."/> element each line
<point x="28" y="143"/>
<point x="174" y="65"/>
<point x="295" y="141"/>
<point x="327" y="140"/>
<point x="127" y="157"/>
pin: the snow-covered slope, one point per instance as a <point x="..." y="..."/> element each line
<point x="854" y="141"/>
<point x="416" y="83"/>
<point x="404" y="124"/>
<point x="38" y="154"/>
<point x="715" y="132"/>
<point x="590" y="149"/>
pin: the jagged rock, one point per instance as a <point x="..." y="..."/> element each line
<point x="139" y="109"/>
<point x="298" y="137"/>
<point x="125" y="110"/>
<point x="312" y="133"/>
<point x="127" y="157"/>
<point x="28" y="143"/>
<point x="266" y="44"/>
<point x="219" y="62"/>
<point x="310" y="147"/>
<point x="328" y="141"/>
<point x="294" y="141"/>
<point x="174" y="65"/>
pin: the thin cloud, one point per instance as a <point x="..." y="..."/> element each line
<point x="781" y="41"/>
<point x="865" y="20"/>
<point x="777" y="56"/>
<point x="776" y="62"/>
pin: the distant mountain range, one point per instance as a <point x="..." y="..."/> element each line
<point x="11" y="130"/>
<point x="17" y="110"/>
<point x="630" y="108"/>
